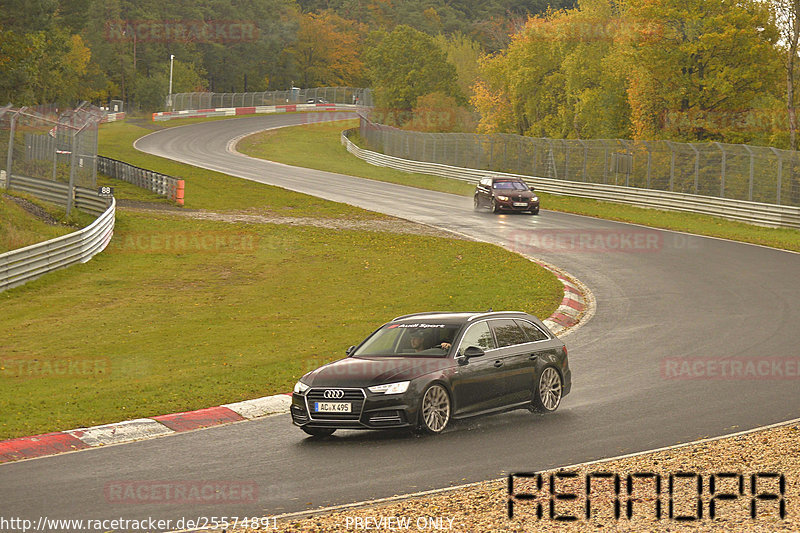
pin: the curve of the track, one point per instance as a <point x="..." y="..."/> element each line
<point x="690" y="297"/>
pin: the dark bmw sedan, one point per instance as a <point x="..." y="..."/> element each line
<point x="505" y="194"/>
<point x="421" y="371"/>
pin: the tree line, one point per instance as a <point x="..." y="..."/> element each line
<point x="688" y="70"/>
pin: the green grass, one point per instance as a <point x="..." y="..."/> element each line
<point x="230" y="312"/>
<point x="20" y="228"/>
<point x="288" y="145"/>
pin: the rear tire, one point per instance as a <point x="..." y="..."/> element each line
<point x="548" y="392"/>
<point x="319" y="432"/>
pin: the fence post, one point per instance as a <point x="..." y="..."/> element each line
<point x="780" y="175"/>
<point x="71" y="171"/>
<point x="696" y="165"/>
<point x="722" y="172"/>
<point x="750" y="185"/>
<point x="10" y="159"/>
<point x="671" y="166"/>
<point x="585" y="157"/>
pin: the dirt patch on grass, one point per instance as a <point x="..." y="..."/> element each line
<point x="34" y="210"/>
<point x="390" y="225"/>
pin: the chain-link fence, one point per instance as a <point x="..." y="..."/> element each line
<point x="57" y="147"/>
<point x="318" y="95"/>
<point x="737" y="171"/>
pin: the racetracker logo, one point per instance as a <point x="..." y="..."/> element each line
<point x="181" y="31"/>
<point x="730" y="368"/>
<point x="185" y="242"/>
<point x="181" y="492"/>
<point x="58" y="367"/>
<point x="587" y="241"/>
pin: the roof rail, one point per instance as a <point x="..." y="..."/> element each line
<point x="481" y="315"/>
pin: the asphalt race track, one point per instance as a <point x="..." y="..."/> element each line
<point x="678" y="297"/>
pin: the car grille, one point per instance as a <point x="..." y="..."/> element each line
<point x="519" y="199"/>
<point x="354" y="396"/>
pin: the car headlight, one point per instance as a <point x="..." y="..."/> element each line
<point x="503" y="198"/>
<point x="534" y="199"/>
<point x="391" y="388"/>
<point x="300" y="387"/>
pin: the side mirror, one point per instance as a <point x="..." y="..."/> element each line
<point x="473" y="351"/>
<point x="350" y="350"/>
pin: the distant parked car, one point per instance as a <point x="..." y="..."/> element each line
<point x="506" y="194"/>
<point x="316" y="101"/>
<point x="421" y="371"/>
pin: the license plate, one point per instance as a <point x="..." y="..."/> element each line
<point x="331" y="407"/>
<point x="520" y="204"/>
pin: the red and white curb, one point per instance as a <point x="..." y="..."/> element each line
<point x="141" y="428"/>
<point x="576" y="309"/>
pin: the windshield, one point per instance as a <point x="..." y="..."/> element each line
<point x="419" y="339"/>
<point x="510" y="185"/>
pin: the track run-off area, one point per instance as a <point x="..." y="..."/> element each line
<point x="665" y="302"/>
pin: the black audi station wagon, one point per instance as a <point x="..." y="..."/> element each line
<point x="420" y="371"/>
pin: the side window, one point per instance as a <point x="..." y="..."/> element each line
<point x="508" y="333"/>
<point x="487" y="182"/>
<point x="534" y="333"/>
<point x="477" y="335"/>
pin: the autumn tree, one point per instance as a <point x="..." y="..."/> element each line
<point x="406" y="64"/>
<point x="328" y="51"/>
<point x="787" y="15"/>
<point x="697" y="66"/>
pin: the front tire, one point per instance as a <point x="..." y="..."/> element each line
<point x="549" y="390"/>
<point x="495" y="207"/>
<point x="319" y="432"/>
<point x="434" y="410"/>
<point x="476" y="203"/>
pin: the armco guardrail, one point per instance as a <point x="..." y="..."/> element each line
<point x="752" y="212"/>
<point x="56" y="192"/>
<point x="161" y="184"/>
<point x="23" y="265"/>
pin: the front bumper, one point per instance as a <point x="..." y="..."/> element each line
<point x="509" y="205"/>
<point x="373" y="411"/>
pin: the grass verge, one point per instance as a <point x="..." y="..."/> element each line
<point x="291" y="146"/>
